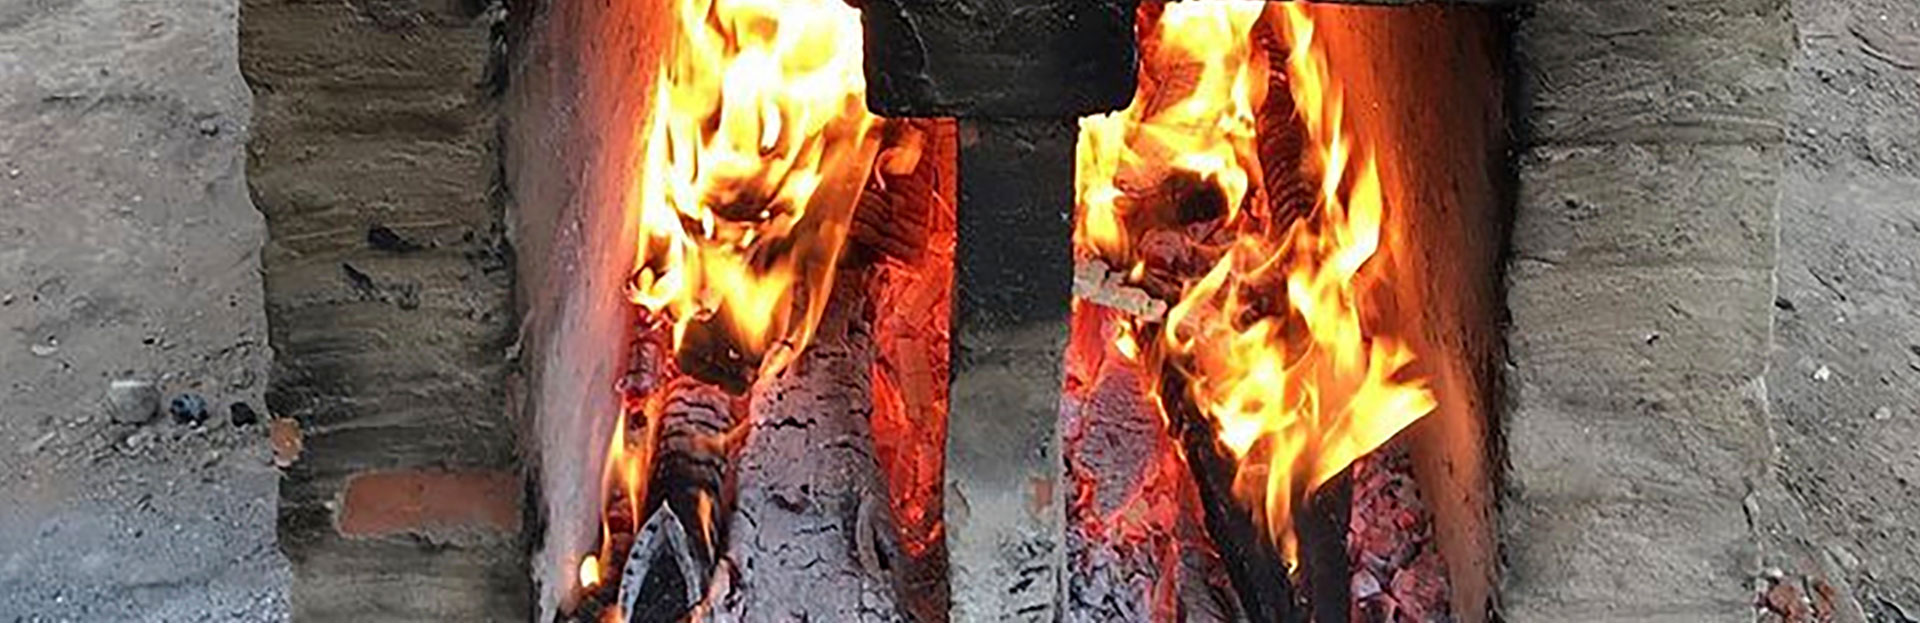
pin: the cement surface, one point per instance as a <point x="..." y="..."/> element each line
<point x="129" y="248"/>
<point x="1845" y="363"/>
<point x="1639" y="286"/>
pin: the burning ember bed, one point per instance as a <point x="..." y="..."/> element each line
<point x="1219" y="419"/>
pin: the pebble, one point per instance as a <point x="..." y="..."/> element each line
<point x="132" y="401"/>
<point x="1883" y="413"/>
<point x="188" y="409"/>
<point x="1822" y="374"/>
<point x="43" y="350"/>
<point x="242" y="414"/>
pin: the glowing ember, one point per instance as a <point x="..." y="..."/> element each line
<point x="757" y="144"/>
<point x="1271" y="337"/>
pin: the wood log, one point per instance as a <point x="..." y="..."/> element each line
<point x="1136" y="545"/>
<point x="1258" y="572"/>
<point x="690" y="463"/>
<point x="1282" y="139"/>
<point x="896" y="213"/>
<point x="811" y="535"/>
<point x="1321" y="525"/>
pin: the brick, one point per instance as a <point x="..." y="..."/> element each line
<point x="430" y="503"/>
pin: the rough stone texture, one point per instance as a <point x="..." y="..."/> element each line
<point x="1640" y="284"/>
<point x="1849" y="439"/>
<point x="128" y="248"/>
<point x="391" y="350"/>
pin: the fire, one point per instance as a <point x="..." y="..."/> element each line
<point x="757" y="144"/>
<point x="1272" y="338"/>
<point x="589" y="571"/>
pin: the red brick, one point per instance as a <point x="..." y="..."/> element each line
<point x="424" y="502"/>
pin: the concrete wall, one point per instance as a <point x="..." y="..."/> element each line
<point x="391" y="346"/>
<point x="1639" y="286"/>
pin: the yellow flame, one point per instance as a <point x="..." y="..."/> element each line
<point x="1296" y="394"/>
<point x="756" y="146"/>
<point x="589" y="571"/>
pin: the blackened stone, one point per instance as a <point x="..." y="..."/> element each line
<point x="242" y="414"/>
<point x="188" y="409"/>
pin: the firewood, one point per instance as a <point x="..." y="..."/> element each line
<point x="1137" y="547"/>
<point x="1282" y="138"/>
<point x="896" y="208"/>
<point x="811" y="535"/>
<point x="691" y="460"/>
<point x="1259" y="574"/>
<point x="1324" y="575"/>
<point x="910" y="374"/>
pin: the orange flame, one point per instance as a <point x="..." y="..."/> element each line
<point x="1299" y="393"/>
<point x="757" y="144"/>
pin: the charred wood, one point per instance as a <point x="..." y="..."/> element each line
<point x="650" y="362"/>
<point x="1137" y="547"/>
<point x="690" y="462"/>
<point x="811" y="535"/>
<point x="1282" y="140"/>
<point x="1398" y="573"/>
<point x="895" y="216"/>
<point x="1322" y="528"/>
<point x="1258" y="572"/>
<point x="662" y="580"/>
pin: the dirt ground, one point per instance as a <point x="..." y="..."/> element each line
<point x="129" y="249"/>
<point x="1844" y="381"/>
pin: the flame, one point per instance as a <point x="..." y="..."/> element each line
<point x="1270" y="338"/>
<point x="589" y="571"/>
<point x="757" y="144"/>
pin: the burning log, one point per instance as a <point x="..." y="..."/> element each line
<point x="811" y="535"/>
<point x="895" y="219"/>
<point x="1323" y="573"/>
<point x="1259" y="573"/>
<point x="690" y="468"/>
<point x="912" y="297"/>
<point x="669" y="558"/>
<point x="1282" y="140"/>
<point x="1136" y="546"/>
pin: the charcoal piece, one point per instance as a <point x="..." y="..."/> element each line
<point x="1390" y="539"/>
<point x="1136" y="543"/>
<point x="188" y="409"/>
<point x="242" y="414"/>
